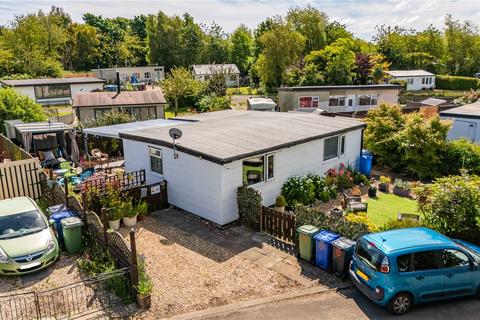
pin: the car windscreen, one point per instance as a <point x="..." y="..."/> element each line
<point x="368" y="253"/>
<point x="475" y="255"/>
<point x="20" y="224"/>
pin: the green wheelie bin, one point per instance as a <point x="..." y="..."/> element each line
<point x="306" y="244"/>
<point x="72" y="234"/>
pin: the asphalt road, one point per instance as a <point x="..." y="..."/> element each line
<point x="351" y="304"/>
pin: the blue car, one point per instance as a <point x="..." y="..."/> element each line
<point x="399" y="268"/>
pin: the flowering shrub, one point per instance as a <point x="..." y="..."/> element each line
<point x="362" y="218"/>
<point x="342" y="177"/>
<point x="323" y="191"/>
<point x="299" y="189"/>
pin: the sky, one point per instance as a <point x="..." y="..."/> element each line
<point x="360" y="16"/>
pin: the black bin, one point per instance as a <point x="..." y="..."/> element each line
<point x="342" y="254"/>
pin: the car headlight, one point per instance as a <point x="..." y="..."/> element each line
<point x="50" y="246"/>
<point x="3" y="256"/>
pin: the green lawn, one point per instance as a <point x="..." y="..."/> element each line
<point x="387" y="206"/>
<point x="170" y="113"/>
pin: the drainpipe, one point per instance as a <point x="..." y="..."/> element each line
<point x="118" y="82"/>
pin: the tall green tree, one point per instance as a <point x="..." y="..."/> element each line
<point x="178" y="85"/>
<point x="14" y="105"/>
<point x="311" y="23"/>
<point x="216" y="45"/>
<point x="193" y="41"/>
<point x="282" y="46"/>
<point x="241" y="48"/>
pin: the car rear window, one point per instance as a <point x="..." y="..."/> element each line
<point x="370" y="254"/>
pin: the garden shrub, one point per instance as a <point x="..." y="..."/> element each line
<point x="396" y="224"/>
<point x="249" y="202"/>
<point x="468" y="97"/>
<point x="280" y="201"/>
<point x="213" y="103"/>
<point x="361" y="217"/>
<point x="323" y="191"/>
<point x="298" y="189"/>
<point x="342" y="177"/>
<point x="451" y="205"/>
<point x="307" y="215"/>
<point x="456" y="83"/>
<point x="462" y="154"/>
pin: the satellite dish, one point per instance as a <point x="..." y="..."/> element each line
<point x="175" y="133"/>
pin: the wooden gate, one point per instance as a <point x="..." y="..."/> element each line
<point x="20" y="178"/>
<point x="281" y="225"/>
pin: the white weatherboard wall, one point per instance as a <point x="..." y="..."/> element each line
<point x="209" y="190"/>
<point x="464" y="128"/>
<point x="417" y="82"/>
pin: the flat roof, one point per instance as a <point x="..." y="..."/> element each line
<point x="34" y="82"/>
<point x="225" y="136"/>
<point x="343" y="87"/>
<point x="113" y="131"/>
<point x="41" y="127"/>
<point x="101" y="99"/>
<point x="408" y="73"/>
<point x="471" y="110"/>
<point x="400" y="239"/>
<point x="433" y="102"/>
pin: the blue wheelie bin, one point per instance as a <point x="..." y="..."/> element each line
<point x="57" y="217"/>
<point x="323" y="249"/>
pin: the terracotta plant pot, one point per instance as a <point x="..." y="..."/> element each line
<point x="114" y="224"/>
<point x="129" y="222"/>
<point x="144" y="301"/>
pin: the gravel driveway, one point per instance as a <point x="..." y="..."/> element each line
<point x="194" y="273"/>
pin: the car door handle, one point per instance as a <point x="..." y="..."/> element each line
<point x="449" y="275"/>
<point x="420" y="277"/>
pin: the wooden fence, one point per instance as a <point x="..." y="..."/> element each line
<point x="10" y="151"/>
<point x="280" y="225"/>
<point x="20" y="178"/>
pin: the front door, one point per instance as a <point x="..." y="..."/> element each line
<point x="427" y="276"/>
<point x="458" y="273"/>
<point x="350" y="103"/>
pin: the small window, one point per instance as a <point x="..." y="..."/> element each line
<point x="364" y="100"/>
<point x="330" y="148"/>
<point x="270" y="167"/>
<point x="342" y="145"/>
<point x="308" y="102"/>
<point x="454" y="258"/>
<point x="156" y="164"/>
<point x="425" y="260"/>
<point x="253" y="170"/>
<point x="424" y="80"/>
<point x="374" y="101"/>
<point x="336" y="102"/>
<point x="403" y="263"/>
<point x="147" y="75"/>
<point x="350" y="102"/>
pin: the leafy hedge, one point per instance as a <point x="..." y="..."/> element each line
<point x="350" y="229"/>
<point x="249" y="202"/>
<point x="456" y="83"/>
<point x="306" y="189"/>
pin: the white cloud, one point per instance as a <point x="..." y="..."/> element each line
<point x="360" y="16"/>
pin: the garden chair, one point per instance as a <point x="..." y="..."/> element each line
<point x="100" y="156"/>
<point x="408" y="216"/>
<point x="354" y="203"/>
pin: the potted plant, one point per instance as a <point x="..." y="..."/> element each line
<point x="130" y="213"/>
<point x="280" y="203"/>
<point x="142" y="209"/>
<point x="384" y="184"/>
<point x="401" y="188"/>
<point x="372" y="191"/>
<point x="114" y="215"/>
<point x="144" y="287"/>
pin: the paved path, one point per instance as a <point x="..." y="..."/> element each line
<point x="348" y="304"/>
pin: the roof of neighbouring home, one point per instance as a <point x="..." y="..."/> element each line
<point x="124" y="98"/>
<point x="113" y="131"/>
<point x="215" y="68"/>
<point x="226" y="136"/>
<point x="471" y="110"/>
<point x="40" y="127"/>
<point x="408" y="73"/>
<point x="343" y="87"/>
<point x="433" y="102"/>
<point x="35" y="82"/>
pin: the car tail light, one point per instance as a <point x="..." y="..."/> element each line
<point x="385" y="266"/>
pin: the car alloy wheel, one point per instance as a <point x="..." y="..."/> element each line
<point x="400" y="304"/>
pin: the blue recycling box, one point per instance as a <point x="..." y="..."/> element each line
<point x="57" y="216"/>
<point x="323" y="248"/>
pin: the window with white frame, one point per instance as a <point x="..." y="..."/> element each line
<point x="330" y="148"/>
<point x="156" y="164"/>
<point x="409" y="80"/>
<point x="147" y="75"/>
<point x="336" y="101"/>
<point x="258" y="169"/>
<point x="308" y="102"/>
<point x="334" y="147"/>
<point x="367" y="100"/>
